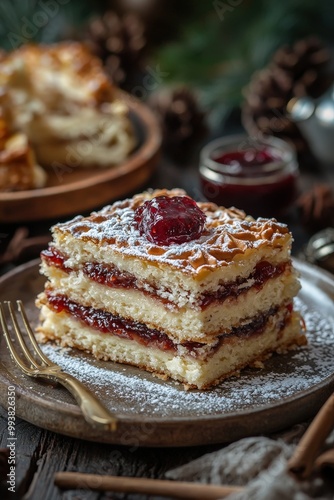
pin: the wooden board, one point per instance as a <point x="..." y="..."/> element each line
<point x="152" y="412"/>
<point x="81" y="190"/>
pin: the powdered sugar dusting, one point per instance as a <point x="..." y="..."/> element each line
<point x="122" y="387"/>
<point x="227" y="232"/>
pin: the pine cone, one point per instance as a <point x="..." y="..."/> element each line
<point x="120" y="42"/>
<point x="294" y="71"/>
<point x="163" y="19"/>
<point x="316" y="208"/>
<point x="182" y="121"/>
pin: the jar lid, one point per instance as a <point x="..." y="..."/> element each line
<point x="278" y="157"/>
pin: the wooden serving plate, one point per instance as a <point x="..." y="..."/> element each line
<point x="75" y="191"/>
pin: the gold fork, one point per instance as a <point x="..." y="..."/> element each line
<point x="36" y="364"/>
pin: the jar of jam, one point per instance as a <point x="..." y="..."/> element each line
<point x="258" y="176"/>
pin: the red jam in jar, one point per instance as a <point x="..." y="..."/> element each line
<point x="259" y="177"/>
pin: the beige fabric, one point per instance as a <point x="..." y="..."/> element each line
<point x="259" y="464"/>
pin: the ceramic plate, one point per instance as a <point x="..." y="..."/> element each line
<point x="152" y="412"/>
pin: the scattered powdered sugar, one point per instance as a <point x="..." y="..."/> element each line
<point x="227" y="232"/>
<point x="127" y="390"/>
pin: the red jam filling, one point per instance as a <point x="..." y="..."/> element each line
<point x="264" y="200"/>
<point x="166" y="220"/>
<point x="249" y="185"/>
<point x="263" y="272"/>
<point x="110" y="276"/>
<point x="55" y="258"/>
<point x="255" y="327"/>
<point x="105" y="322"/>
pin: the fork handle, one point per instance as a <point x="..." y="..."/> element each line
<point x="93" y="410"/>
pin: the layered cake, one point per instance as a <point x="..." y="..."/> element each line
<point x="190" y="291"/>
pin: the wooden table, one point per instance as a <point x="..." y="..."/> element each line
<point x="41" y="453"/>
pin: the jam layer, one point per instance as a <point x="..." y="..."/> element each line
<point x="107" y="323"/>
<point x="110" y="276"/>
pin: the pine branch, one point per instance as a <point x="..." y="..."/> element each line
<point x="35" y="21"/>
<point x="220" y="59"/>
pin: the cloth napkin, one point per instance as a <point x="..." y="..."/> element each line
<point x="258" y="464"/>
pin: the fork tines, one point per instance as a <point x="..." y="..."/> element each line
<point x="34" y="363"/>
<point x="30" y="362"/>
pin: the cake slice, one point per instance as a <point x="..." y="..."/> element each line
<point x="186" y="290"/>
<point x="18" y="167"/>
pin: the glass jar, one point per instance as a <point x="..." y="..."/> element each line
<point x="257" y="176"/>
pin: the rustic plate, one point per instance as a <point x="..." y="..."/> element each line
<point x="155" y="413"/>
<point x="77" y="191"/>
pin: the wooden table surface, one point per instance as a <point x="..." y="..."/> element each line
<point x="41" y="453"/>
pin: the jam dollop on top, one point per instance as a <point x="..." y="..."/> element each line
<point x="166" y="220"/>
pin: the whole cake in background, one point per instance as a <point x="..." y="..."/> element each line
<point x="186" y="290"/>
<point x="59" y="98"/>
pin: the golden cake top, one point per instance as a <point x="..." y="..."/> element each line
<point x="226" y="233"/>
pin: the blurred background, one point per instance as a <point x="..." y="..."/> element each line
<point x="217" y="59"/>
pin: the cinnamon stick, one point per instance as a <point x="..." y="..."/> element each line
<point x="179" y="489"/>
<point x="301" y="463"/>
<point x="21" y="246"/>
